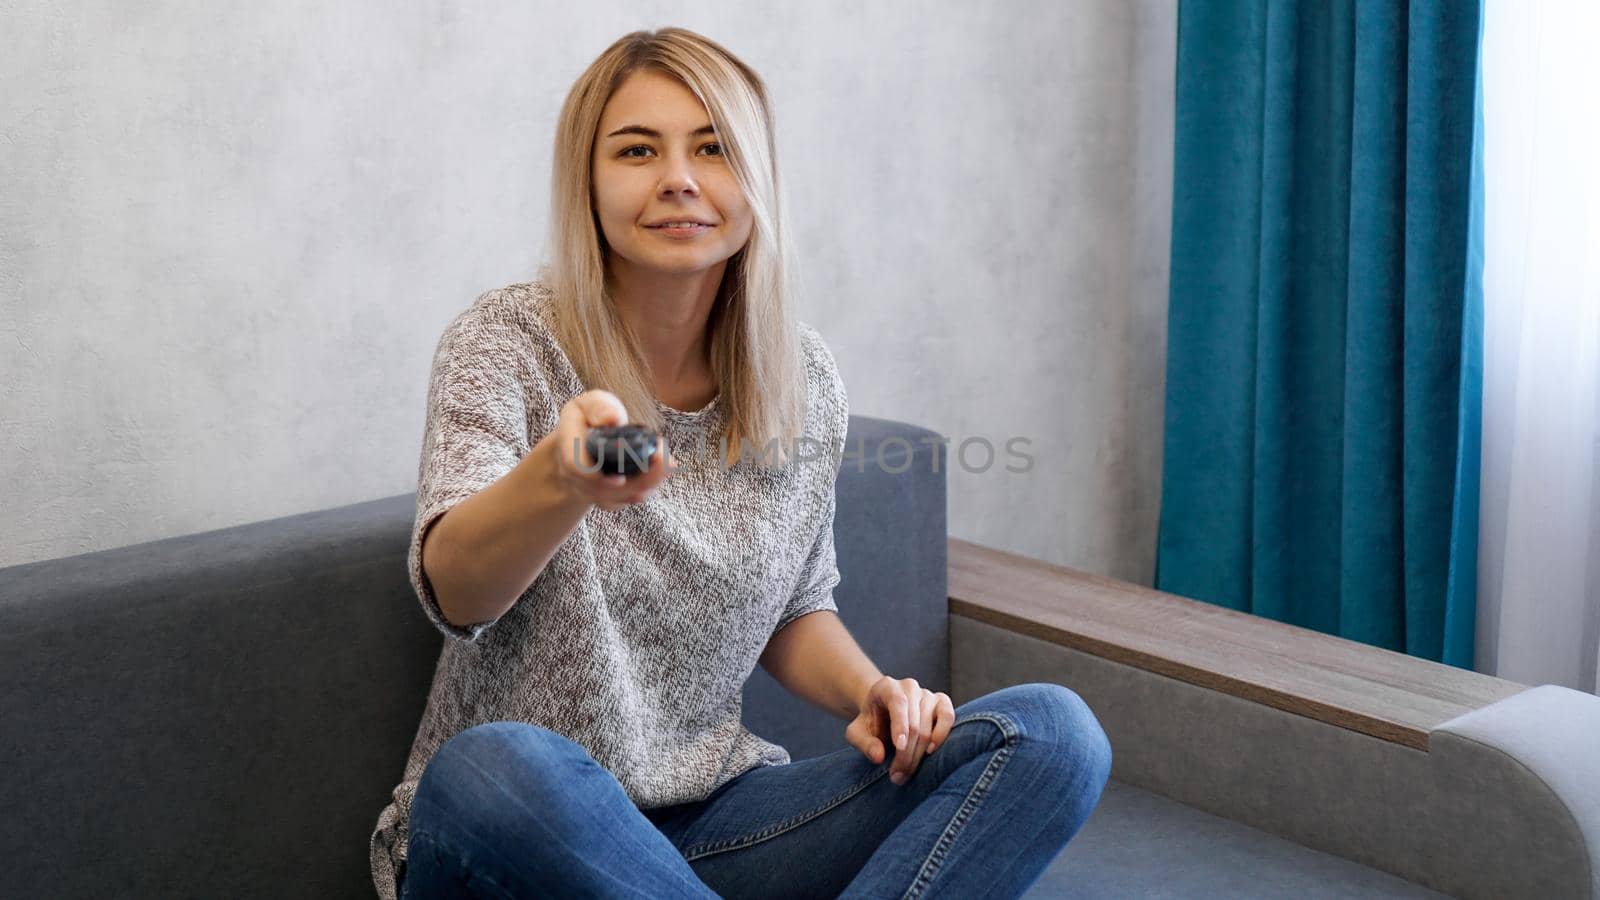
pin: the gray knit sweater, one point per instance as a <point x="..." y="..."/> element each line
<point x="636" y="639"/>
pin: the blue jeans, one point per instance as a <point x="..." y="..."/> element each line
<point x="509" y="809"/>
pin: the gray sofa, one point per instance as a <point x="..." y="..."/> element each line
<point x="224" y="714"/>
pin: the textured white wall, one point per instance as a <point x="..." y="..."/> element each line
<point x="230" y="236"/>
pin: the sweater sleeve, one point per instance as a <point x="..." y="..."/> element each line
<point x="818" y="577"/>
<point x="820" y="573"/>
<point x="477" y="430"/>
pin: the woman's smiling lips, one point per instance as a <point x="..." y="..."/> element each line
<point x="685" y="232"/>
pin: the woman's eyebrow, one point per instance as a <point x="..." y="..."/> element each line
<point x="652" y="133"/>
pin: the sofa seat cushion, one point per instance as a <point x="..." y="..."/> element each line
<point x="1141" y="844"/>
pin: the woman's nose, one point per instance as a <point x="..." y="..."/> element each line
<point x="678" y="177"/>
<point x="671" y="185"/>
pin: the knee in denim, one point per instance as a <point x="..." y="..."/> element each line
<point x="1057" y="715"/>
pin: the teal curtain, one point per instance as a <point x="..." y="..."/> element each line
<point x="1324" y="363"/>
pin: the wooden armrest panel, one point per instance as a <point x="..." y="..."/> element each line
<point x="1369" y="689"/>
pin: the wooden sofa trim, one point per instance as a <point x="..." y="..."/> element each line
<point x="1357" y="686"/>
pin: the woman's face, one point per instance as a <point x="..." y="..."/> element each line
<point x="676" y="174"/>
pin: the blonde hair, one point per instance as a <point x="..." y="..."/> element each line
<point x="754" y="341"/>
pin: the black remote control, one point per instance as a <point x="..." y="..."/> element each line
<point x="622" y="449"/>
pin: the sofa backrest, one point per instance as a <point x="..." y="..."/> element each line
<point x="226" y="713"/>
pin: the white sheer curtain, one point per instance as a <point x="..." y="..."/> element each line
<point x="1539" y="538"/>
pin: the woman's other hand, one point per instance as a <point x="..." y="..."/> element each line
<point x="916" y="719"/>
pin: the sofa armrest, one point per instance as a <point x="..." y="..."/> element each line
<point x="1348" y="748"/>
<point x="1539" y="752"/>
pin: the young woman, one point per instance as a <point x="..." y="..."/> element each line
<point x="582" y="736"/>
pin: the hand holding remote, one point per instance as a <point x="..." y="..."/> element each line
<point x="590" y="447"/>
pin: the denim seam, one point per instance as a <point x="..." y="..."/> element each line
<point x="941" y="847"/>
<point x="703" y="850"/>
